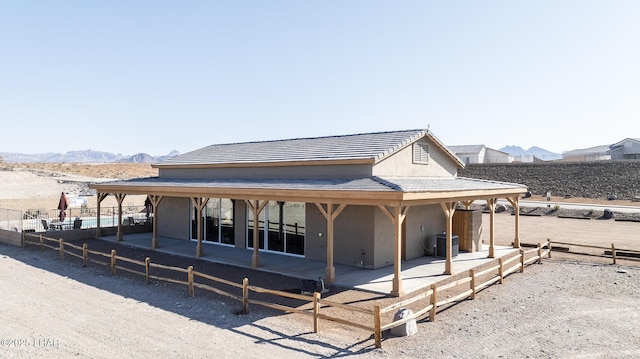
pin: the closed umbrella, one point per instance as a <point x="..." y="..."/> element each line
<point x="62" y="206"/>
<point x="147" y="206"/>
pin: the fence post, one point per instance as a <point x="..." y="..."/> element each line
<point x="549" y="241"/>
<point x="501" y="271"/>
<point x="432" y="313"/>
<point x="376" y="324"/>
<point x="472" y="274"/>
<point x="245" y="295"/>
<point x="147" y="268"/>
<point x="113" y="262"/>
<point x="316" y="310"/>
<point x="85" y="254"/>
<point x="190" y="280"/>
<point x="41" y="243"/>
<point x="613" y="253"/>
<point x="539" y="253"/>
<point x="61" y="241"/>
<point x="522" y="261"/>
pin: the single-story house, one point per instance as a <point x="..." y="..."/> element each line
<point x="597" y="153"/>
<point x="627" y="149"/>
<point x="480" y="154"/>
<point x="368" y="199"/>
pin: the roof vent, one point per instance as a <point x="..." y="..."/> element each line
<point x="421" y="151"/>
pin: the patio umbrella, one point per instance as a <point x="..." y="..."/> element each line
<point x="62" y="206"/>
<point x="147" y="206"/>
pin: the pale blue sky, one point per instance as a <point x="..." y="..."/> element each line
<point x="153" y="76"/>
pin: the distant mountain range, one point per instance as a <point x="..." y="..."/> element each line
<point x="86" y="156"/>
<point x="534" y="151"/>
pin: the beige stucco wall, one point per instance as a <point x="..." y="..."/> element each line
<point x="240" y="223"/>
<point x="353" y="235"/>
<point x="331" y="171"/>
<point x="422" y="223"/>
<point x="401" y="165"/>
<point x="173" y="218"/>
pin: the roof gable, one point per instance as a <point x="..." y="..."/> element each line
<point x="621" y="143"/>
<point x="362" y="148"/>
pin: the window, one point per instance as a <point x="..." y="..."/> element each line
<point x="421" y="152"/>
<point x="281" y="227"/>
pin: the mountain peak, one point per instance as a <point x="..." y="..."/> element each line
<point x="83" y="156"/>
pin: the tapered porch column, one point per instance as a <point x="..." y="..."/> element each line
<point x="101" y="197"/>
<point x="155" y="201"/>
<point x="330" y="214"/>
<point x="449" y="208"/>
<point x="491" y="202"/>
<point x="397" y="218"/>
<point x="256" y="207"/>
<point x="515" y="202"/>
<point x="120" y="198"/>
<point x="199" y="203"/>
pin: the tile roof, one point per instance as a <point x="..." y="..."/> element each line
<point x="373" y="184"/>
<point x="365" y="146"/>
<point x="426" y="184"/>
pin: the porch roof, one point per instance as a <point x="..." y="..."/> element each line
<point x="351" y="190"/>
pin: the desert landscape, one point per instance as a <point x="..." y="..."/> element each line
<point x="568" y="306"/>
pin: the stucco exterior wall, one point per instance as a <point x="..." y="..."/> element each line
<point x="421" y="226"/>
<point x="329" y="171"/>
<point x="353" y="235"/>
<point x="383" y="240"/>
<point x="240" y="223"/>
<point x="401" y="164"/>
<point x="493" y="156"/>
<point x="173" y="218"/>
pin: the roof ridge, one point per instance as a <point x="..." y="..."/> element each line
<point x="318" y="137"/>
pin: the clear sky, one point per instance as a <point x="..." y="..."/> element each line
<point x="154" y="76"/>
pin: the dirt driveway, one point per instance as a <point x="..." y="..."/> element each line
<point x="562" y="308"/>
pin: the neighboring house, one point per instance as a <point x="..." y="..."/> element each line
<point x="363" y="200"/>
<point x="598" y="153"/>
<point x="627" y="149"/>
<point x="480" y="154"/>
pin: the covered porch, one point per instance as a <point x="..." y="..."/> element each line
<point x="416" y="274"/>
<point x="394" y="197"/>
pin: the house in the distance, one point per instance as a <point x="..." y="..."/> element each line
<point x="367" y="200"/>
<point x="597" y="153"/>
<point x="480" y="154"/>
<point x="627" y="149"/>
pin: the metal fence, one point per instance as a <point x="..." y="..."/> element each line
<point x="11" y="220"/>
<point x="43" y="220"/>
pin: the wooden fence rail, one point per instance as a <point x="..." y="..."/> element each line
<point x="614" y="251"/>
<point x="470" y="285"/>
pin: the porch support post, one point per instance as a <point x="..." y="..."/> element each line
<point x="199" y="203"/>
<point x="330" y="214"/>
<point x="101" y="197"/>
<point x="120" y="198"/>
<point x="155" y="201"/>
<point x="467" y="204"/>
<point x="256" y="207"/>
<point x="491" y="202"/>
<point x="515" y="202"/>
<point x="397" y="218"/>
<point x="449" y="208"/>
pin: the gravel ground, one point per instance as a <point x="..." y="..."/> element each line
<point x="56" y="308"/>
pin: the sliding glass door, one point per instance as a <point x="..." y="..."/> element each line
<point x="280" y="228"/>
<point x="217" y="222"/>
